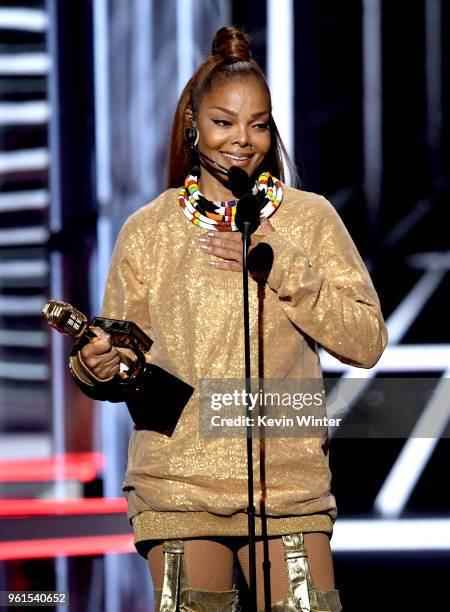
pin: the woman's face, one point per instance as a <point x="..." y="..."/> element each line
<point x="233" y="124"/>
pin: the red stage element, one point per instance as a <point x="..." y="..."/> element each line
<point x="48" y="507"/>
<point x="83" y="467"/>
<point x="66" y="547"/>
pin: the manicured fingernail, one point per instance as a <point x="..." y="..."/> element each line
<point x="212" y="263"/>
<point x="204" y="247"/>
<point x="202" y="240"/>
<point x="211" y="234"/>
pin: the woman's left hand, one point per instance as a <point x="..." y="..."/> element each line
<point x="227" y="246"/>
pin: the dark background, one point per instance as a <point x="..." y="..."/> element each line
<point x="411" y="219"/>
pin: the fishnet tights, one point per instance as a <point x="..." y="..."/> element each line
<point x="209" y="565"/>
<point x="319" y="558"/>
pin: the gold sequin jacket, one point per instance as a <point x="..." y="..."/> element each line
<point x="318" y="292"/>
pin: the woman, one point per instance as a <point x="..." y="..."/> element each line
<point x="176" y="272"/>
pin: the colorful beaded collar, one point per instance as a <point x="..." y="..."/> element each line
<point x="219" y="216"/>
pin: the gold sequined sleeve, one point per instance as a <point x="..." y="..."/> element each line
<point x="126" y="290"/>
<point x="326" y="290"/>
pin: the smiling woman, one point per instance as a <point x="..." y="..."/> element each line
<point x="176" y="272"/>
<point x="246" y="110"/>
<point x="230" y="133"/>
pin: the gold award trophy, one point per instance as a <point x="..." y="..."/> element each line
<point x="67" y="320"/>
<point x="155" y="398"/>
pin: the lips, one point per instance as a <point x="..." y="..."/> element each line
<point x="237" y="157"/>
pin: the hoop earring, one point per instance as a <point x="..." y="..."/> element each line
<point x="192" y="137"/>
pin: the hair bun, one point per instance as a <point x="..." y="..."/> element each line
<point x="231" y="44"/>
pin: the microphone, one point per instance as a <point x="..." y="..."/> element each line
<point x="247" y="216"/>
<point x="220" y="168"/>
<point x="239" y="179"/>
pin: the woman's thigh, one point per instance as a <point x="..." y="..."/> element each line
<point x="320" y="563"/>
<point x="209" y="565"/>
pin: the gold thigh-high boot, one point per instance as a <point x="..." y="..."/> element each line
<point x="176" y="593"/>
<point x="303" y="595"/>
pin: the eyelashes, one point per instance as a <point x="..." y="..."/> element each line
<point x="221" y="122"/>
<point x="226" y="123"/>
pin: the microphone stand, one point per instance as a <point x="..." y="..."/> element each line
<point x="251" y="511"/>
<point x="247" y="219"/>
<point x="239" y="181"/>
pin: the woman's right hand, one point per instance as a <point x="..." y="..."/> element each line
<point x="100" y="357"/>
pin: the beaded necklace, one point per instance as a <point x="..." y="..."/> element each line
<point x="219" y="216"/>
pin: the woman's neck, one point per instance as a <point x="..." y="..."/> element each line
<point x="213" y="189"/>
